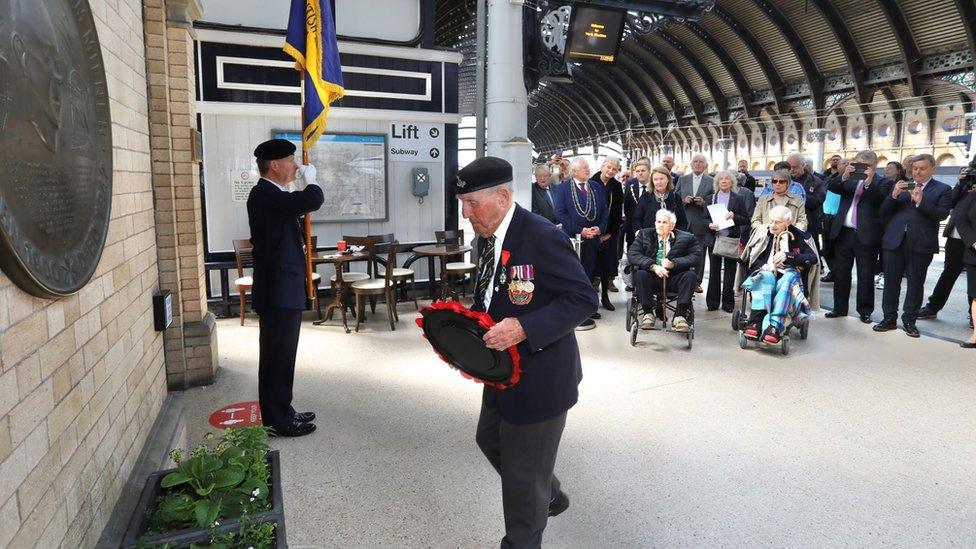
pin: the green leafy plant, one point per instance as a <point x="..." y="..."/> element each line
<point x="250" y="536"/>
<point x="227" y="480"/>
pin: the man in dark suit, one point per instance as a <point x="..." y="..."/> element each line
<point x="633" y="190"/>
<point x="662" y="254"/>
<point x="856" y="235"/>
<point x="607" y="260"/>
<point x="520" y="428"/>
<point x="543" y="195"/>
<point x="910" y="240"/>
<point x="581" y="209"/>
<point x="278" y="293"/>
<point x="954" y="252"/>
<point x="668" y="163"/>
<point x="750" y="182"/>
<point x="694" y="190"/>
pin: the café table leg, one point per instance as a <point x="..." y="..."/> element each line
<point x="430" y="278"/>
<point x="224" y="294"/>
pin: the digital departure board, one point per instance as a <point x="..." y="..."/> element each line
<point x="594" y="33"/>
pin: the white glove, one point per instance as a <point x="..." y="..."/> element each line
<point x="308" y="175"/>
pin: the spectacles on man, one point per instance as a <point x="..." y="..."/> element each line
<point x="780" y="181"/>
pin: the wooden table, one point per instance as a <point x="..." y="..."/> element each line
<point x="442" y="251"/>
<point x="338" y="298"/>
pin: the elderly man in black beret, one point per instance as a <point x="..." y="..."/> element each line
<point x="531" y="282"/>
<point x="278" y="292"/>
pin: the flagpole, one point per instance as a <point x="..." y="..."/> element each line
<point x="309" y="287"/>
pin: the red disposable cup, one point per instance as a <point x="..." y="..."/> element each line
<point x="341" y="245"/>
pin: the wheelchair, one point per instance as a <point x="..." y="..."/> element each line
<point x="740" y="319"/>
<point x="669" y="305"/>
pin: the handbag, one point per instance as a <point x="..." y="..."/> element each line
<point x="727" y="247"/>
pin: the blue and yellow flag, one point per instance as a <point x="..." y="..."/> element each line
<point x="311" y="40"/>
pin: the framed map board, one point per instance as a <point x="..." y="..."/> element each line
<point x="351" y="168"/>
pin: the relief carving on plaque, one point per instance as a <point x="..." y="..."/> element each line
<point x="55" y="146"/>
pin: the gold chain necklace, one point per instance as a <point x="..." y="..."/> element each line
<point x="587" y="211"/>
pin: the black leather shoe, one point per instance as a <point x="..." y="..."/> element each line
<point x="607" y="305"/>
<point x="596" y="316"/>
<point x="866" y="319"/>
<point x="835" y="314"/>
<point x="558" y="504"/>
<point x="296" y="429"/>
<point x="885" y="326"/>
<point x="911" y="330"/>
<point x="728" y="309"/>
<point x="926" y="312"/>
<point x="964" y="345"/>
<point x="827" y="278"/>
<point x="305" y="417"/>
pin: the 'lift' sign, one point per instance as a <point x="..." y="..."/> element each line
<point x="242" y="414"/>
<point x="411" y="142"/>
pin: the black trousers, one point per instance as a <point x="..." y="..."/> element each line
<point x="848" y="251"/>
<point x="954" y="250"/>
<point x="649" y="284"/>
<point x="721" y="282"/>
<point x="589" y="248"/>
<point x="525" y="457"/>
<point x="278" y="341"/>
<point x="700" y="275"/>
<point x="607" y="259"/>
<point x="827" y="249"/>
<point x="901" y="263"/>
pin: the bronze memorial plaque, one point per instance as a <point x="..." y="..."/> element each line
<point x="55" y="146"/>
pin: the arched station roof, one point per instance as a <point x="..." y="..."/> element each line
<point x="748" y="64"/>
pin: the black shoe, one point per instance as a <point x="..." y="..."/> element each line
<point x="967" y="345"/>
<point x="827" y="278"/>
<point x="866" y="319"/>
<point x="558" y="504"/>
<point x="835" y="314"/>
<point x="885" y="326"/>
<point x="926" y="312"/>
<point x="728" y="309"/>
<point x="305" y="417"/>
<point x="911" y="330"/>
<point x="607" y="305"/>
<point x="595" y="316"/>
<point x="296" y="429"/>
<point x="712" y="308"/>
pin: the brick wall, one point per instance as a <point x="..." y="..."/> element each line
<point x="83" y="377"/>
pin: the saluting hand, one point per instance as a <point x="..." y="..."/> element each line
<point x="503" y="335"/>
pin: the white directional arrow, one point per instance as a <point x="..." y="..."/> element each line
<point x="232" y="410"/>
<point x="231" y="421"/>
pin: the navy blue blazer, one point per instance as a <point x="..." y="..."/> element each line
<point x="279" y="259"/>
<point x="632" y="193"/>
<point x="646" y="211"/>
<point x="869" y="224"/>
<point x="918" y="225"/>
<point x="566" y="212"/>
<point x="561" y="300"/>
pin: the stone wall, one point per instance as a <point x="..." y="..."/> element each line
<point x="83" y="377"/>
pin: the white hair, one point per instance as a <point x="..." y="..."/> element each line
<point x="579" y="162"/>
<point x="782" y="213"/>
<point x="730" y="175"/>
<point x="612" y="159"/>
<point x="699" y="156"/>
<point x="666" y="213"/>
<point x="541" y="168"/>
<point x="807" y="161"/>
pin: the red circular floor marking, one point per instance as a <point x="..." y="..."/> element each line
<point x="242" y="414"/>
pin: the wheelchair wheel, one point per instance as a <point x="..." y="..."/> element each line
<point x="691" y="336"/>
<point x="785" y="343"/>
<point x="743" y="342"/>
<point x="804" y="329"/>
<point x="630" y="320"/>
<point x="736" y="316"/>
<point x="633" y="334"/>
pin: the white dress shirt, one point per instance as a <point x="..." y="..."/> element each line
<point x="499" y="242"/>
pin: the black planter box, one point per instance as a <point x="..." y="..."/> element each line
<point x="138" y="524"/>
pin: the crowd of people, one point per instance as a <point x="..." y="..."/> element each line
<point x="773" y="241"/>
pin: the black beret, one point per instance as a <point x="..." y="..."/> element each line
<point x="485" y="172"/>
<point x="274" y="149"/>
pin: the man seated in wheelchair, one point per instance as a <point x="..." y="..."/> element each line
<point x="664" y="258"/>
<point x="779" y="262"/>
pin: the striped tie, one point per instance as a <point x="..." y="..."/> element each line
<point x="486" y="270"/>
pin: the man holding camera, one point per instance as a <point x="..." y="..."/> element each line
<point x="856" y="234"/>
<point x="693" y="188"/>
<point x="910" y="240"/>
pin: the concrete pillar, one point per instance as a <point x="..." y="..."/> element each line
<point x="725" y="145"/>
<point x="506" y="104"/>
<point x="816" y="137"/>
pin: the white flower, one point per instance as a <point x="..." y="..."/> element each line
<point x="256" y="493"/>
<point x="252" y="499"/>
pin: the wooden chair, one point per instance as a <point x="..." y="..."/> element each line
<point x="379" y="287"/>
<point x="458" y="269"/>
<point x="401" y="275"/>
<point x="243" y="253"/>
